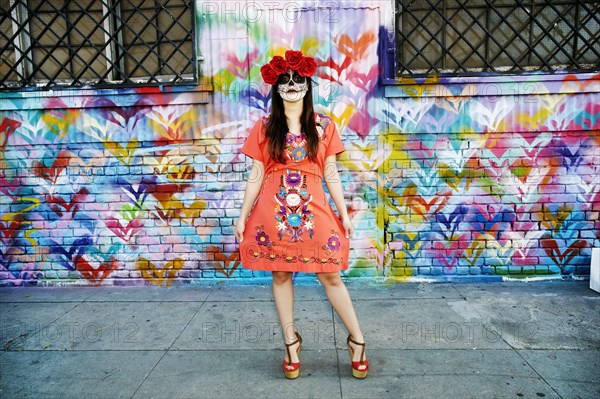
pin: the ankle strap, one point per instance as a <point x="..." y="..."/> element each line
<point x="362" y="355"/>
<point x="297" y="340"/>
<point x="287" y="347"/>
<point x="357" y="343"/>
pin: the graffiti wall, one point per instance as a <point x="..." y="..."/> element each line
<point x="443" y="177"/>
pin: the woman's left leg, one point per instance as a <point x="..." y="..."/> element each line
<point x="338" y="296"/>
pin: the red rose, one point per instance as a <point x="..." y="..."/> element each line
<point x="308" y="67"/>
<point x="279" y="64"/>
<point x="269" y="75"/>
<point x="294" y="59"/>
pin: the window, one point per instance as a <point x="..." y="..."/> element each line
<point x="96" y="42"/>
<point x="466" y="36"/>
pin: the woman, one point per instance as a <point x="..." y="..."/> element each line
<point x="292" y="227"/>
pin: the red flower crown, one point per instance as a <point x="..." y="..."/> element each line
<point x="294" y="60"/>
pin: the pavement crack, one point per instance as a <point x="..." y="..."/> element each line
<point x="539" y="375"/>
<point x="337" y="354"/>
<point x="172" y="343"/>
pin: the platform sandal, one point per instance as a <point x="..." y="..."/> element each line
<point x="292" y="370"/>
<point x="358" y="368"/>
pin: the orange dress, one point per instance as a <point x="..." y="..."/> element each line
<point x="292" y="227"/>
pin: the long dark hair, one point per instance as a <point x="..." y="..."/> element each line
<point x="277" y="127"/>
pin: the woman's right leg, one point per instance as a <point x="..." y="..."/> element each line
<point x="283" y="293"/>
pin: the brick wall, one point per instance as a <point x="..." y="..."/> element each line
<point x="446" y="178"/>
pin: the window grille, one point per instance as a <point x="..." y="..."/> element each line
<point x="46" y="43"/>
<point x="473" y="36"/>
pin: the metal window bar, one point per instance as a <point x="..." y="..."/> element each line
<point x="161" y="38"/>
<point x="21" y="41"/>
<point x="94" y="43"/>
<point x="594" y="44"/>
<point x="490" y="34"/>
<point x="100" y="51"/>
<point x="496" y="36"/>
<point x="109" y="50"/>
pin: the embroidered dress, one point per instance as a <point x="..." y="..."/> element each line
<point x="292" y="226"/>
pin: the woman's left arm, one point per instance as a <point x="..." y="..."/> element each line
<point x="334" y="184"/>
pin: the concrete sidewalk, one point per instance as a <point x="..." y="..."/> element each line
<point x="424" y="340"/>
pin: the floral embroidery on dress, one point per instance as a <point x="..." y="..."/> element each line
<point x="261" y="237"/>
<point x="293" y="213"/>
<point x="293" y="259"/>
<point x="295" y="146"/>
<point x="333" y="243"/>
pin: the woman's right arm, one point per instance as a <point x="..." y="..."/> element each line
<point x="253" y="185"/>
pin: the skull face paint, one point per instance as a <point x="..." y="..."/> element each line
<point x="292" y="86"/>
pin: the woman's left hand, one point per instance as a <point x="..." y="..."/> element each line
<point x="347" y="224"/>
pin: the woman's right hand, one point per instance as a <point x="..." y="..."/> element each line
<point x="239" y="230"/>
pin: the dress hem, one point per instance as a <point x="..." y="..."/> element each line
<point x="312" y="269"/>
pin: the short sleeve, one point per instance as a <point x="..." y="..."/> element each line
<point x="252" y="146"/>
<point x="335" y="145"/>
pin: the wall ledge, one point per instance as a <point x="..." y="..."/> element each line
<point x="493" y="85"/>
<point x="88" y="97"/>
